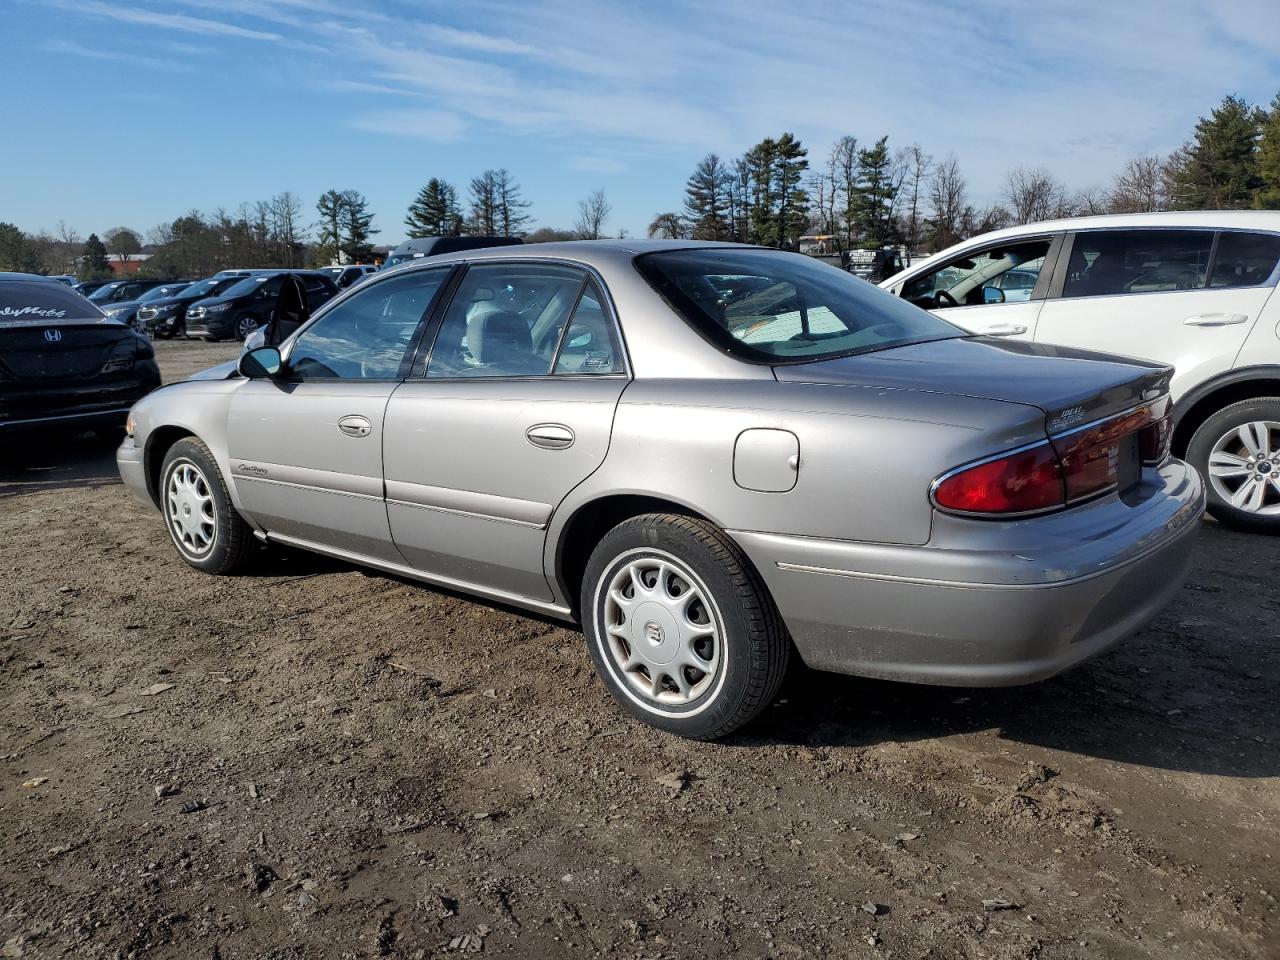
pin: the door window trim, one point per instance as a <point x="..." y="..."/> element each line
<point x="1060" y="274"/>
<point x="422" y="357"/>
<point x="406" y="361"/>
<point x="1043" y="280"/>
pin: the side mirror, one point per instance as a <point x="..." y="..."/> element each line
<point x="260" y="364"/>
<point x="992" y="295"/>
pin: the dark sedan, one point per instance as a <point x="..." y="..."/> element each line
<point x="63" y="363"/>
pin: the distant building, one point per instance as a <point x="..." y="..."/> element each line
<point x="130" y="264"/>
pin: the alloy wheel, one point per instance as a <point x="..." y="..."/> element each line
<point x="1244" y="467"/>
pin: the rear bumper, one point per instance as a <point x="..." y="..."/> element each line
<point x="987" y="603"/>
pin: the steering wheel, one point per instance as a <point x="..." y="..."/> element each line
<point x="943" y="298"/>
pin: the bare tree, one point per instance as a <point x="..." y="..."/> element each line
<point x="592" y="213"/>
<point x="1139" y="187"/>
<point x="122" y="243"/>
<point x="286" y="228"/>
<point x="1091" y="201"/>
<point x="844" y="178"/>
<point x="948" y="202"/>
<point x="483" y="220"/>
<point x="917" y="166"/>
<point x="509" y="207"/>
<point x="1035" y="195"/>
<point x="668" y="226"/>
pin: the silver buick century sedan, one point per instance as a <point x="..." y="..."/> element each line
<point x="711" y="456"/>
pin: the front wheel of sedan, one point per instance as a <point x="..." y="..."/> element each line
<point x="680" y="626"/>
<point x="1237" y="450"/>
<point x="202" y="522"/>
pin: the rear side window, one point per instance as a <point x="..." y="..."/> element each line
<point x="36" y="301"/>
<point x="1112" y="263"/>
<point x="1244" y="259"/>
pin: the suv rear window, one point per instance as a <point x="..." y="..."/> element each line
<point x="1244" y="259"/>
<point x="772" y="307"/>
<point x="36" y="301"/>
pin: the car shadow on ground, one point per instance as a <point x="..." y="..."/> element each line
<point x="38" y="463"/>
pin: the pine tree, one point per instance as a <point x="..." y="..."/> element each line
<point x="434" y="212"/>
<point x="706" y="200"/>
<point x="759" y="161"/>
<point x="792" y="201"/>
<point x="509" y="207"/>
<point x="1221" y="170"/>
<point x="16" y="251"/>
<point x="357" y="227"/>
<point x="1268" y="196"/>
<point x="94" y="262"/>
<point x="330" y="207"/>
<point x="875" y="195"/>
<point x="483" y="219"/>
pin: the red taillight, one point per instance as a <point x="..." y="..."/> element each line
<point x="1022" y="482"/>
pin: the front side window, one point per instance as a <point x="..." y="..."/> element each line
<point x="506" y="321"/>
<point x="1003" y="274"/>
<point x="1244" y="259"/>
<point x="1109" y="263"/>
<point x="367" y="336"/>
<point x="773" y="307"/>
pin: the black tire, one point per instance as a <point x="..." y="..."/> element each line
<point x="752" y="648"/>
<point x="244" y="325"/>
<point x="1220" y="427"/>
<point x="231" y="542"/>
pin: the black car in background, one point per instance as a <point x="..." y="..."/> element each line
<point x="352" y="273"/>
<point x="166" y="317"/>
<point x="120" y="291"/>
<point x="63" y="364"/>
<point x="419" y="247"/>
<point x="87" y="288"/>
<point x="244" y="306"/>
<point x="126" y="311"/>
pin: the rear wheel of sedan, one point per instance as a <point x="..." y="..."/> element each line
<point x="202" y="522"/>
<point x="680" y="626"/>
<point x="1237" y="450"/>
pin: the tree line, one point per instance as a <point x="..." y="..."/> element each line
<point x="868" y="196"/>
<point x="859" y="195"/>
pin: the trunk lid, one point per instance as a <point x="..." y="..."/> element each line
<point x="1072" y="387"/>
<point x="61" y="350"/>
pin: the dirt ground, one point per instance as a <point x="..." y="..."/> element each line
<point x="315" y="761"/>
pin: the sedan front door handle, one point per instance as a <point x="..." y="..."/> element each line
<point x="1215" y="319"/>
<point x="354" y="425"/>
<point x="550" y="436"/>
<point x="1003" y="330"/>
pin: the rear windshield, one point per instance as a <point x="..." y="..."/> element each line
<point x="35" y="301"/>
<point x="773" y="307"/>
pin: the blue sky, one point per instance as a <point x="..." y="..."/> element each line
<point x="131" y="112"/>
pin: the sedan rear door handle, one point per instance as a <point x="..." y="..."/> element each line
<point x="1002" y="330"/>
<point x="550" y="436"/>
<point x="1215" y="319"/>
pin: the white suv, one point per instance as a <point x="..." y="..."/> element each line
<point x="1192" y="289"/>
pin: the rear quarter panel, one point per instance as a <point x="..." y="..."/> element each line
<point x="867" y="454"/>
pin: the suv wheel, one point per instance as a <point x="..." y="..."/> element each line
<point x="1237" y="450"/>
<point x="202" y="522"/>
<point x="245" y="325"/>
<point x="681" y="628"/>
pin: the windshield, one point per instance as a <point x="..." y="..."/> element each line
<point x="242" y="286"/>
<point x="773" y="307"/>
<point x="206" y="288"/>
<point x="34" y="301"/>
<point x="105" y="291"/>
<point x="157" y="293"/>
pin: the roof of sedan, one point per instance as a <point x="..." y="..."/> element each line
<point x="6" y="275"/>
<point x="586" y="251"/>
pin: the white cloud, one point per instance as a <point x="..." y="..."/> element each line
<point x="439" y="125"/>
<point x="171" y="21"/>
